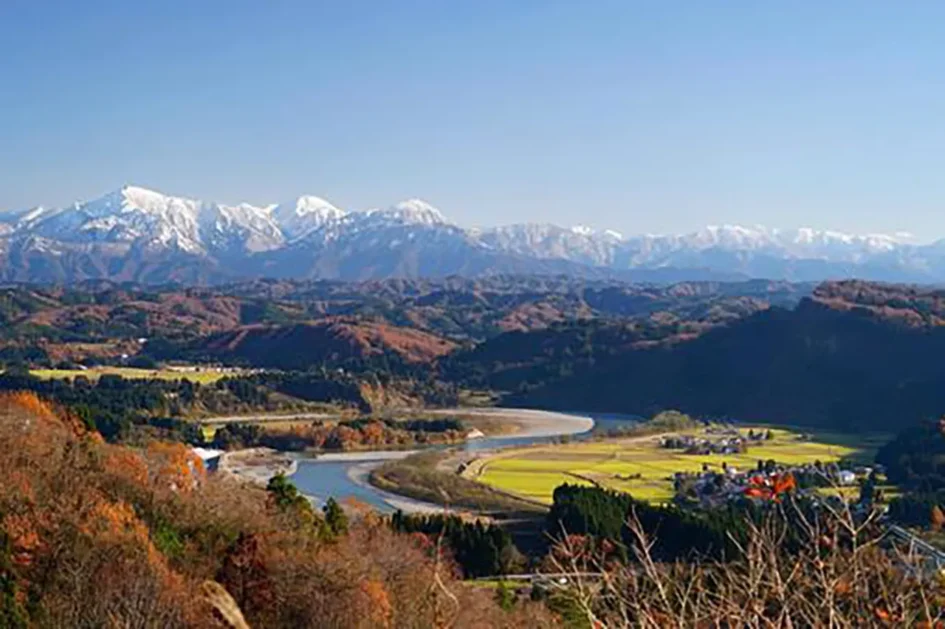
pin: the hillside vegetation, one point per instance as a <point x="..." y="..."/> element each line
<point x="97" y="535"/>
<point x="854" y="356"/>
<point x="104" y="320"/>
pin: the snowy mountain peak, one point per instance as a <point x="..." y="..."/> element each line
<point x="309" y="204"/>
<point x="304" y="215"/>
<point x="131" y="227"/>
<point x="415" y="211"/>
<point x="582" y="230"/>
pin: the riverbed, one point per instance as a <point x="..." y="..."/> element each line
<point x="344" y="475"/>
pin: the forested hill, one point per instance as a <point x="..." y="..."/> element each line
<point x="46" y="325"/>
<point x="853" y="356"/>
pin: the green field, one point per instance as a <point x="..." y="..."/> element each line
<point x="93" y="373"/>
<point x="535" y="472"/>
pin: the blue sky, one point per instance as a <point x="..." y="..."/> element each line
<point x="640" y="116"/>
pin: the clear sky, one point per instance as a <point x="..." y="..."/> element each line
<point x="640" y="116"/>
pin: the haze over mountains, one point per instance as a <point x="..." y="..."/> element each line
<point x="142" y="235"/>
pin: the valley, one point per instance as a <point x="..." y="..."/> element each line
<point x="472" y="315"/>
<point x="503" y="408"/>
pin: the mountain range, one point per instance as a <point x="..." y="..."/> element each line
<point x="136" y="234"/>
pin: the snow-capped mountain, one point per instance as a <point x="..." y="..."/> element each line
<point x="578" y="244"/>
<point x="304" y="215"/>
<point x="138" y="234"/>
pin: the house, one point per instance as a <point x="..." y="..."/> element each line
<point x="846" y="477"/>
<point x="210" y="457"/>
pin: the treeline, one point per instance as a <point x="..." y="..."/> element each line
<point x="135" y="410"/>
<point x="351" y="388"/>
<point x="923" y="509"/>
<point x="344" y="435"/>
<point x="481" y="550"/>
<point x="677" y="533"/>
<point x="125" y="409"/>
<point x="915" y="459"/>
<point x="113" y="405"/>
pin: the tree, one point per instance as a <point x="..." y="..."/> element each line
<point x="504" y="596"/>
<point x="335" y="517"/>
<point x="868" y="491"/>
<point x="12" y="613"/>
<point x="937" y="518"/>
<point x="245" y="576"/>
<point x="286" y="498"/>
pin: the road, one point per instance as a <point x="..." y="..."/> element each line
<point x="262" y="419"/>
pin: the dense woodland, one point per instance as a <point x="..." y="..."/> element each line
<point x="455" y="308"/>
<point x="480" y="549"/>
<point x="916" y="457"/>
<point x="604" y="514"/>
<point x="848" y="369"/>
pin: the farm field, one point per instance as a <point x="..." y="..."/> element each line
<point x="642" y="468"/>
<point x="205" y="376"/>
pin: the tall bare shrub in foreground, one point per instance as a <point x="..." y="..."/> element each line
<point x="832" y="570"/>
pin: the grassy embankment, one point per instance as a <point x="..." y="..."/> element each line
<point x="642" y="468"/>
<point x="421" y="476"/>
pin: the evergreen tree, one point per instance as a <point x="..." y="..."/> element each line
<point x="335" y="517"/>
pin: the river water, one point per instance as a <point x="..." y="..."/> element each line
<point x="345" y="475"/>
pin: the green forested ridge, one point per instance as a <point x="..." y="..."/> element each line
<point x="479" y="549"/>
<point x="814" y="365"/>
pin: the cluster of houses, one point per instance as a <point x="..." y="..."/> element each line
<point x="716" y="485"/>
<point x="718" y="441"/>
<point x="713" y="487"/>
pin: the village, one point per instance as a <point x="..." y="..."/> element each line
<point x="717" y="484"/>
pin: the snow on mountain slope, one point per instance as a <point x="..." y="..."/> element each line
<point x="803" y="243"/>
<point x="410" y="212"/>
<point x="238" y="228"/>
<point x="129" y="215"/>
<point x="134" y="232"/>
<point x="578" y="244"/>
<point x="304" y="215"/>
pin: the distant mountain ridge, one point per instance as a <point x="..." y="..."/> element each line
<point x="138" y="234"/>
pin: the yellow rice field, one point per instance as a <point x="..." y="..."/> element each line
<point x="642" y="468"/>
<point x="205" y="376"/>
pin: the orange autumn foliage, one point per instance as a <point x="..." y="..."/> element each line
<point x="378" y="602"/>
<point x="28" y="405"/>
<point x="174" y="465"/>
<point x="111" y="536"/>
<point x="125" y="464"/>
<point x="24" y="538"/>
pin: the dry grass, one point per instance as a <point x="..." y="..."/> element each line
<point x="844" y="575"/>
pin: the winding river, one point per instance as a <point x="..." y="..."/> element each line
<point x="344" y="475"/>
